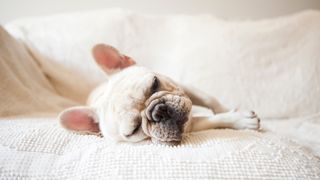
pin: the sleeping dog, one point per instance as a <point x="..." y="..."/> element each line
<point x="136" y="104"/>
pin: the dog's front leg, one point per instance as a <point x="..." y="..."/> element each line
<point x="202" y="99"/>
<point x="223" y="117"/>
<point x="232" y="119"/>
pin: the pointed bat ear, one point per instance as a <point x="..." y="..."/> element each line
<point x="109" y="58"/>
<point x="80" y="119"/>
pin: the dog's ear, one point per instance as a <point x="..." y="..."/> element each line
<point x="80" y="119"/>
<point x="109" y="58"/>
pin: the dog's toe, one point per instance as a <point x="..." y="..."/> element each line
<point x="246" y="120"/>
<point x="249" y="114"/>
<point x="248" y="123"/>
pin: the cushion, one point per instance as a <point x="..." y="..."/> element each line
<point x="38" y="148"/>
<point x="271" y="66"/>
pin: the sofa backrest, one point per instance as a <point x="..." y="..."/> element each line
<point x="271" y="66"/>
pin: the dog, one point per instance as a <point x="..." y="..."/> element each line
<point x="136" y="104"/>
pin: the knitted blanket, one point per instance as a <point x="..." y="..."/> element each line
<point x="38" y="148"/>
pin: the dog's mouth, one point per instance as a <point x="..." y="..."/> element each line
<point x="164" y="118"/>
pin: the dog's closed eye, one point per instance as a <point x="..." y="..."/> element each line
<point x="155" y="85"/>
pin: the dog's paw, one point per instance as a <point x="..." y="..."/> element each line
<point x="245" y="120"/>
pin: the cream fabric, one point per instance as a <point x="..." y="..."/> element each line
<point x="271" y="66"/>
<point x="24" y="87"/>
<point x="305" y="131"/>
<point x="63" y="73"/>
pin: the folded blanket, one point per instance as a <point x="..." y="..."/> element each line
<point x="24" y="88"/>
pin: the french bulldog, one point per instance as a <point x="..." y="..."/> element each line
<point x="137" y="103"/>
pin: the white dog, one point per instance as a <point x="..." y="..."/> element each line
<point x="137" y="103"/>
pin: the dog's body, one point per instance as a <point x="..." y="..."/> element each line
<point x="137" y="103"/>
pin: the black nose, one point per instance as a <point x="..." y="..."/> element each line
<point x="162" y="112"/>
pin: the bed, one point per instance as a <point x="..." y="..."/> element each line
<point x="271" y="66"/>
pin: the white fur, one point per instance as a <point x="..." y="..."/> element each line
<point x="119" y="101"/>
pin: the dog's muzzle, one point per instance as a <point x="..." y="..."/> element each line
<point x="164" y="112"/>
<point x="166" y="116"/>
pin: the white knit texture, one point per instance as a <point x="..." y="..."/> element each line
<point x="38" y="148"/>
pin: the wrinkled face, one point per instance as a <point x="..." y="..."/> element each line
<point x="166" y="111"/>
<point x="143" y="104"/>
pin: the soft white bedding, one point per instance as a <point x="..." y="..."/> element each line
<point x="305" y="131"/>
<point x="271" y="66"/>
<point x="38" y="148"/>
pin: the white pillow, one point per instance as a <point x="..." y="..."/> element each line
<point x="271" y="66"/>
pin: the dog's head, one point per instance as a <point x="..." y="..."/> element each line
<point x="134" y="104"/>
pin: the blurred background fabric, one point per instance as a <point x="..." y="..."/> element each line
<point x="229" y="9"/>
